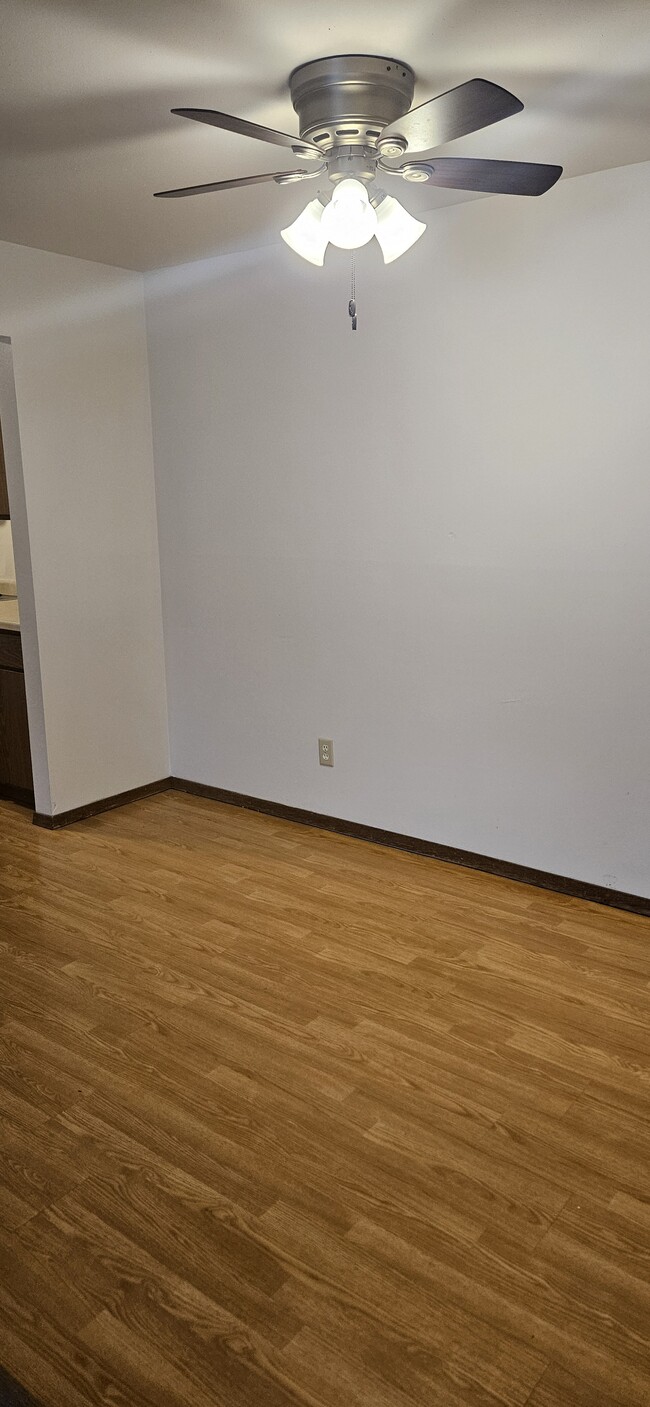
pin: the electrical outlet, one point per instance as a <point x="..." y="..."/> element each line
<point x="326" y="752"/>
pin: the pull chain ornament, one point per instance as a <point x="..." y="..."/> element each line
<point x="352" y="305"/>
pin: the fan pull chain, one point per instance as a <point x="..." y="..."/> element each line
<point x="352" y="305"/>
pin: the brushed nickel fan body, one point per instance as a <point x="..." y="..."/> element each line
<point x="347" y="101"/>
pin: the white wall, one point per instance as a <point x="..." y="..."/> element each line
<point x="84" y="509"/>
<point x="428" y="540"/>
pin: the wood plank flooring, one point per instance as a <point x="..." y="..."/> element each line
<point x="289" y="1120"/>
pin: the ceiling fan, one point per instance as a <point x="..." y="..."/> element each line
<point x="356" y="122"/>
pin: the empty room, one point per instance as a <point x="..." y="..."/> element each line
<point x="324" y="704"/>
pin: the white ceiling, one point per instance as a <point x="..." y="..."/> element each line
<point x="86" y="86"/>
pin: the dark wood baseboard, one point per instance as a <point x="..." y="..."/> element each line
<point x="506" y="869"/>
<point x="93" y="808"/>
<point x="12" y="1394"/>
<point x="22" y="797"/>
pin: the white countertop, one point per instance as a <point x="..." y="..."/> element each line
<point x="9" y="618"/>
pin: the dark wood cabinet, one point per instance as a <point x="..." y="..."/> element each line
<point x="16" y="781"/>
<point x="11" y="649"/>
<point x="4" y="496"/>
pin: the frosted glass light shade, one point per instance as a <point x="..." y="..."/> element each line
<point x="306" y="235"/>
<point x="396" y="230"/>
<point x="349" y="220"/>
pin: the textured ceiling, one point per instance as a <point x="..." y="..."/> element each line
<point x="86" y="86"/>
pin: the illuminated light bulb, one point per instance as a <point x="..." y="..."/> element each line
<point x="349" y="220"/>
<point x="396" y="230"/>
<point x="306" y="235"/>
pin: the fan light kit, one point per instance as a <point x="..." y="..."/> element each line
<point x="356" y="123"/>
<point x="349" y="220"/>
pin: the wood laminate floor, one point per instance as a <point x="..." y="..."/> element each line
<point x="289" y="1120"/>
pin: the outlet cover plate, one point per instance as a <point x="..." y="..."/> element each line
<point x="326" y="752"/>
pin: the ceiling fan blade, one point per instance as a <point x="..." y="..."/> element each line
<point x="249" y="129"/>
<point x="493" y="177"/>
<point x="465" y="109"/>
<point x="281" y="177"/>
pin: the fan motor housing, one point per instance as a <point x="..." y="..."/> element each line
<point x="345" y="101"/>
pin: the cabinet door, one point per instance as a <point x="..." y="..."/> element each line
<point x="4" y="496"/>
<point x="15" y="755"/>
